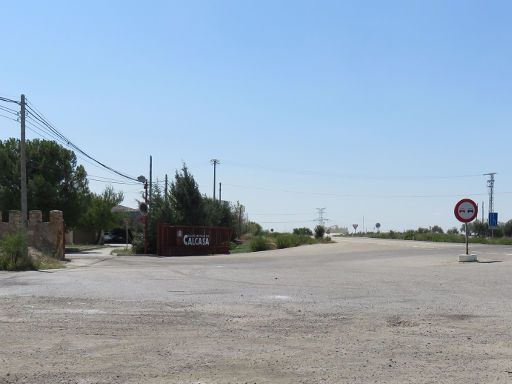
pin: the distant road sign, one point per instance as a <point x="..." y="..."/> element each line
<point x="355" y="226"/>
<point x="466" y="210"/>
<point x="493" y="220"/>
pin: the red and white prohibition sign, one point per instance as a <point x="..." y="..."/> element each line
<point x="466" y="210"/>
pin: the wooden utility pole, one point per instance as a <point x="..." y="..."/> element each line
<point x="220" y="192"/>
<point x="23" y="161"/>
<point x="146" y="217"/>
<point x="150" y="182"/>
<point x="166" y="187"/>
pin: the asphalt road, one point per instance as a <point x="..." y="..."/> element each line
<point x="357" y="311"/>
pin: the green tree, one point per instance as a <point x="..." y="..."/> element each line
<point x="99" y="216"/>
<point x="254" y="229"/>
<point x="217" y="213"/>
<point x="54" y="180"/>
<point x="160" y="212"/>
<point x="453" y="231"/>
<point x="304" y="231"/>
<point x="476" y="228"/>
<point x="186" y="200"/>
<point x="437" y="229"/>
<point x="507" y="228"/>
<point x="319" y="231"/>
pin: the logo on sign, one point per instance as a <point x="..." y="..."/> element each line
<point x="201" y="240"/>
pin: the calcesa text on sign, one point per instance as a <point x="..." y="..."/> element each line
<point x="196" y="240"/>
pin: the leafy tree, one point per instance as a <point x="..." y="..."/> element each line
<point x="453" y="231"/>
<point x="186" y="200"/>
<point x="161" y="211"/>
<point x="99" y="216"/>
<point x="217" y="213"/>
<point x="476" y="228"/>
<point x="239" y="213"/>
<point x="304" y="231"/>
<point x="54" y="181"/>
<point x="319" y="231"/>
<point x="507" y="228"/>
<point x="254" y="228"/>
<point x="437" y="229"/>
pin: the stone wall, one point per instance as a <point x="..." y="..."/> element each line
<point x="45" y="236"/>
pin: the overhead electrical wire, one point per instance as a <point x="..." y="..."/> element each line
<point x="9" y="110"/>
<point x="31" y="110"/>
<point x="9" y="100"/>
<point x="7" y="117"/>
<point x="346" y="176"/>
<point x="360" y="195"/>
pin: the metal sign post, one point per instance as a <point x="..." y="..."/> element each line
<point x="466" y="211"/>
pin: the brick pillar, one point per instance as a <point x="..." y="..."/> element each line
<point x="35" y="217"/>
<point x="56" y="228"/>
<point x="15" y="219"/>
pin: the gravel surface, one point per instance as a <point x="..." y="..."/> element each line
<point x="358" y="311"/>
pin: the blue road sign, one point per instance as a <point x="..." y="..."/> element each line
<point x="493" y="220"/>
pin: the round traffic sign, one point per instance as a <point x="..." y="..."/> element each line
<point x="466" y="210"/>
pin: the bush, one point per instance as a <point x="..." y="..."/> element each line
<point x="14" y="253"/>
<point x="453" y="231"/>
<point x="287" y="240"/>
<point x="261" y="243"/>
<point x="302" y="231"/>
<point x="319" y="231"/>
<point x="138" y="243"/>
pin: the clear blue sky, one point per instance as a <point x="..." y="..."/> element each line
<point x="353" y="106"/>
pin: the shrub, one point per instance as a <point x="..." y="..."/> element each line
<point x="260" y="243"/>
<point x="138" y="243"/>
<point x="288" y="240"/>
<point x="302" y="231"/>
<point x="14" y="254"/>
<point x="453" y="231"/>
<point x="319" y="231"/>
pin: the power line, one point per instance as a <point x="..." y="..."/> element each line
<point x="5" y="99"/>
<point x="279" y="214"/>
<point x="110" y="181"/>
<point x="44" y="133"/>
<point x="285" y="222"/>
<point x="347" y="176"/>
<point x="360" y="195"/>
<point x="38" y="116"/>
<point x="9" y="110"/>
<point x="105" y="180"/>
<point x="7" y="117"/>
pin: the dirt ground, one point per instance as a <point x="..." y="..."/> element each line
<point x="358" y="311"/>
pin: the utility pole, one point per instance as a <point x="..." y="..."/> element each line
<point x="146" y="218"/>
<point x="23" y="160"/>
<point x="220" y="192"/>
<point x="483" y="215"/>
<point x="150" y="181"/>
<point x="143" y="207"/>
<point x="490" y="185"/>
<point x="166" y="187"/>
<point x="214" y="162"/>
